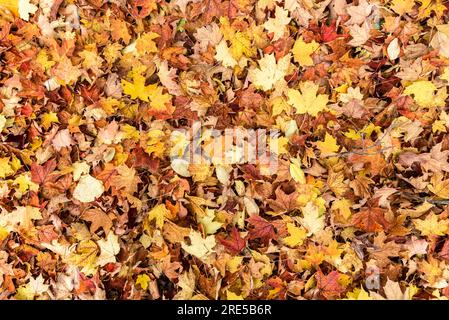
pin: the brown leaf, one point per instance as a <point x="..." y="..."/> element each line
<point x="99" y="219"/>
<point x="284" y="202"/>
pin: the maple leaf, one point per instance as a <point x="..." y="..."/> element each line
<point x="360" y="34"/>
<point x="329" y="146"/>
<point x="199" y="247"/>
<point x="235" y="243"/>
<point x="187" y="284"/>
<point x="284" y="202"/>
<point x="35" y="287"/>
<point x="85" y="256"/>
<point x="262" y="229"/>
<point x="328" y="285"/>
<point x="371" y="220"/>
<point x="143" y="280"/>
<point x="429" y="6"/>
<point x="312" y="220"/>
<point x="138" y="89"/>
<point x="5" y="168"/>
<point x="393" y="291"/>
<point x="158" y="213"/>
<point x="296" y="237"/>
<point x="224" y="55"/>
<point x="270" y="72"/>
<point x="277" y="25"/>
<point x="359" y="12"/>
<point x="302" y="52"/>
<point x="307" y="100"/>
<point x="329" y="33"/>
<point x="98" y="219"/>
<point x="431" y="225"/>
<point x="210" y="226"/>
<point x="109" y="248"/>
<point x="126" y="179"/>
<point x="423" y="92"/>
<point x="42" y="174"/>
<point x="439" y="186"/>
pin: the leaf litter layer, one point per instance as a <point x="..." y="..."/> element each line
<point x="92" y="97"/>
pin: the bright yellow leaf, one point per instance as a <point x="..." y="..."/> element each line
<point x="296" y="237"/>
<point x="329" y="146"/>
<point x="158" y="214"/>
<point x="302" y="52"/>
<point x="5" y="168"/>
<point x="307" y="100"/>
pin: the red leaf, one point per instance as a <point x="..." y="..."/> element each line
<point x="328" y="284"/>
<point x="262" y="229"/>
<point x="371" y="220"/>
<point x="41" y="174"/>
<point x="235" y="243"/>
<point x="141" y="159"/>
<point x="328" y="33"/>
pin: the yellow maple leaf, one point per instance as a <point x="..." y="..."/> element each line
<point x="130" y="132"/>
<point x="223" y="55"/>
<point x="329" y="146"/>
<point x="199" y="247"/>
<point x="143" y="280"/>
<point x="429" y="6"/>
<point x="270" y="72"/>
<point x="155" y="144"/>
<point x="312" y="220"/>
<point x="302" y="52"/>
<point x="24" y="183"/>
<point x="402" y="6"/>
<point x="279" y="105"/>
<point x="158" y="214"/>
<point x="159" y="99"/>
<point x="439" y="186"/>
<point x="241" y="45"/>
<point x="306" y="100"/>
<point x="277" y="25"/>
<point x="49" y="118"/>
<point x="343" y="206"/>
<point x="5" y="168"/>
<point x="423" y="92"/>
<point x="296" y="237"/>
<point x="210" y="226"/>
<point x="138" y="89"/>
<point x="431" y="225"/>
<point x="85" y="256"/>
<point x="145" y="43"/>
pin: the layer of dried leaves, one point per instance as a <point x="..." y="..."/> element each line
<point x="92" y="207"/>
